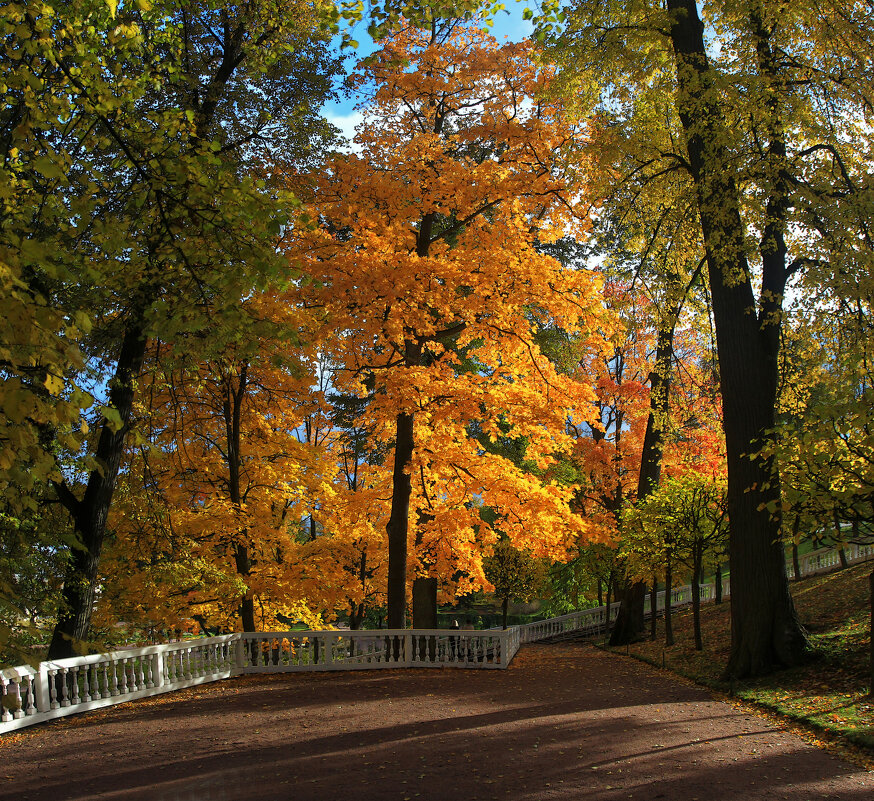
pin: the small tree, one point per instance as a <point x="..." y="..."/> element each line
<point x="514" y="574"/>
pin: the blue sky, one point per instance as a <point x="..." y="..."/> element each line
<point x="508" y="23"/>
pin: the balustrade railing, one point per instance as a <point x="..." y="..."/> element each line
<point x="824" y="560"/>
<point x="66" y="686"/>
<point x="280" y="652"/>
<point x="80" y="683"/>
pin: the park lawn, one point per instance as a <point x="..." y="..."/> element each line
<point x="829" y="695"/>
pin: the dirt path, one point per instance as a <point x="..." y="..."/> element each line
<point x="565" y="722"/>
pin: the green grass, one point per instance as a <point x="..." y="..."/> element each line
<point x="829" y="694"/>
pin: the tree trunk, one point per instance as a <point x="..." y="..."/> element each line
<point x="697" y="559"/>
<point x="839" y="540"/>
<point x="90" y="514"/>
<point x="653" y="612"/>
<point x="630" y="623"/>
<point x="425" y="603"/>
<point x="609" y="598"/>
<point x="669" y="626"/>
<point x="796" y="564"/>
<point x="717" y="582"/>
<point x="871" y="635"/>
<point x="235" y="395"/>
<point x="398" y="524"/>
<point x="504" y="607"/>
<point x="600" y="592"/>
<point x="765" y="629"/>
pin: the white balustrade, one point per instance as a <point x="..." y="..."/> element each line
<point x="54" y="689"/>
<point x="278" y="652"/>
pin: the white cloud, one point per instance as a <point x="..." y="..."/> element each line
<point x="346" y="123"/>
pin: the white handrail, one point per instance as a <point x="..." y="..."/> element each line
<point x="32" y="694"/>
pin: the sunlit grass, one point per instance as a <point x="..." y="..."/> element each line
<point x="829" y="694"/>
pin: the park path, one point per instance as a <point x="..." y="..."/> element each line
<point x="564" y="722"/>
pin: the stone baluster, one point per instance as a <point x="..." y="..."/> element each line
<point x="65" y="690"/>
<point x="5" y="687"/>
<point x="31" y="695"/>
<point x="121" y="670"/>
<point x="87" y="672"/>
<point x="52" y="683"/>
<point x="113" y="673"/>
<point x="14" y="689"/>
<point x="73" y="678"/>
<point x="93" y="676"/>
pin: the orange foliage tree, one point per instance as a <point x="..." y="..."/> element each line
<point x="425" y="263"/>
<point x="208" y="507"/>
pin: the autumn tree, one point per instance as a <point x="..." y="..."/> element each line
<point x="701" y="525"/>
<point x="130" y="215"/>
<point x="751" y="125"/>
<point x="514" y="575"/>
<point x="426" y="266"/>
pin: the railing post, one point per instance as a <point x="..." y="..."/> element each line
<point x="41" y="688"/>
<point x="239" y="660"/>
<point x="158" y="678"/>
<point x="408" y="649"/>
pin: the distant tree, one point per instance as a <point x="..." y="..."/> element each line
<point x="515" y="575"/>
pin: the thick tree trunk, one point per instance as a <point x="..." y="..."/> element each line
<point x="630" y="622"/>
<point x="70" y="635"/>
<point x="243" y="564"/>
<point x="425" y="603"/>
<point x="765" y="629"/>
<point x="398" y="524"/>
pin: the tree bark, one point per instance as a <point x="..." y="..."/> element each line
<point x="425" y="602"/>
<point x="796" y="564"/>
<point x="630" y="622"/>
<point x="697" y="559"/>
<point x="717" y="581"/>
<point x="90" y="514"/>
<point x="398" y="524"/>
<point x="653" y="612"/>
<point x="871" y="635"/>
<point x="766" y="633"/>
<point x="669" y="580"/>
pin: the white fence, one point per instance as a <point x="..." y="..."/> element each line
<point x="68" y="686"/>
<point x="592" y="621"/>
<point x="272" y="652"/>
<point x="829" y="559"/>
<point x="79" y="684"/>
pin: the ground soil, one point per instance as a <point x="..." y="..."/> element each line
<point x="564" y="722"/>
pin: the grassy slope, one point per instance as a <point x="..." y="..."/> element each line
<point x="828" y="695"/>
